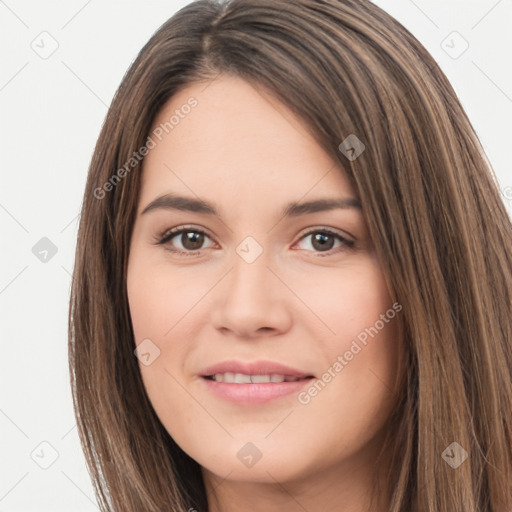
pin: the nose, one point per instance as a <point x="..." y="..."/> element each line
<point x="252" y="301"/>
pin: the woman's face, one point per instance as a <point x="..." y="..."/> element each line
<point x="274" y="276"/>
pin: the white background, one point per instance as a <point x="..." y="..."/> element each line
<point x="51" y="114"/>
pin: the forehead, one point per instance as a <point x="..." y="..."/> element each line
<point x="228" y="140"/>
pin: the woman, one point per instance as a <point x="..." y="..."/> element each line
<point x="292" y="285"/>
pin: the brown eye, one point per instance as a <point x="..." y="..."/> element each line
<point x="324" y="241"/>
<point x="192" y="240"/>
<point x="184" y="240"/>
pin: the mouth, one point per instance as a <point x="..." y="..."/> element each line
<point x="245" y="372"/>
<point x="253" y="382"/>
<point x="242" y="378"/>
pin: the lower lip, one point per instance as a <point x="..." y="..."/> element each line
<point x="250" y="394"/>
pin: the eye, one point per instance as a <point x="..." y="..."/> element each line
<point x="190" y="240"/>
<point x="323" y="241"/>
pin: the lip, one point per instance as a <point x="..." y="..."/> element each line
<point x="253" y="394"/>
<point x="253" y="368"/>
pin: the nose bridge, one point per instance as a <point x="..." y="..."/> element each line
<point x="251" y="297"/>
<point x="251" y="278"/>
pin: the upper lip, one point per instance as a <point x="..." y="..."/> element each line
<point x="253" y="368"/>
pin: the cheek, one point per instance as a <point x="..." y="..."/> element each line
<point x="161" y="304"/>
<point x="349" y="302"/>
<point x="158" y="299"/>
<point x="361" y="354"/>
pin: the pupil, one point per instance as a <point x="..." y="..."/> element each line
<point x="321" y="239"/>
<point x="192" y="240"/>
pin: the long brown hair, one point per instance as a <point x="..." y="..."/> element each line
<point x="432" y="205"/>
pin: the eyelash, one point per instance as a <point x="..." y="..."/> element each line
<point x="166" y="236"/>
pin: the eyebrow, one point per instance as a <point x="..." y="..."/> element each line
<point x="293" y="209"/>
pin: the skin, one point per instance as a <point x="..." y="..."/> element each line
<point x="245" y="152"/>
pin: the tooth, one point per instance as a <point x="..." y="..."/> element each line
<point x="240" y="378"/>
<point x="260" y="378"/>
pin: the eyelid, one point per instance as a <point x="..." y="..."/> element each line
<point x="347" y="242"/>
<point x="168" y="234"/>
<point x="332" y="231"/>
